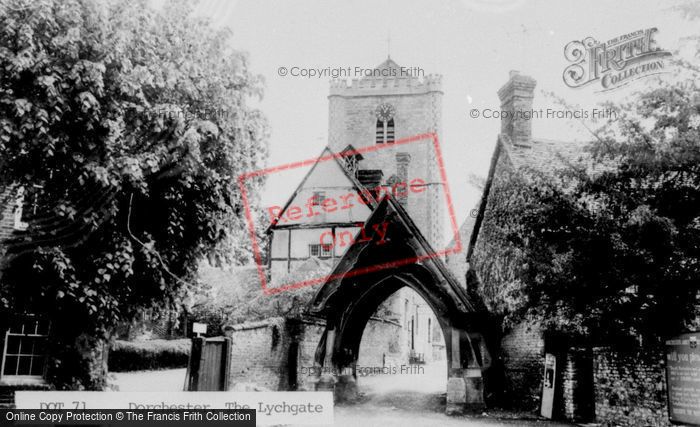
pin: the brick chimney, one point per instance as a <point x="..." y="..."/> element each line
<point x="516" y="98"/>
<point x="402" y="162"/>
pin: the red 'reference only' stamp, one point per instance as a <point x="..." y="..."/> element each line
<point x="330" y="218"/>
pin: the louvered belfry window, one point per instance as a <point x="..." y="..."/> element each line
<point x="385" y="131"/>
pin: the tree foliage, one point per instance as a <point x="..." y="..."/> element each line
<point x="237" y="296"/>
<point x="134" y="123"/>
<point x="607" y="249"/>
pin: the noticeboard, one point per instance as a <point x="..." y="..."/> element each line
<point x="199" y="328"/>
<point x="683" y="378"/>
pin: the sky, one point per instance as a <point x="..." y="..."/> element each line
<point x="473" y="44"/>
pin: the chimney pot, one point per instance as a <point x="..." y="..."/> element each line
<point x="403" y="158"/>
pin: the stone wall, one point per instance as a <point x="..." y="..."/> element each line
<point x="522" y="353"/>
<point x="630" y="388"/>
<point x="278" y="354"/>
<point x="259" y="354"/>
<point x="576" y="402"/>
<point x="418" y="110"/>
<point x="611" y="388"/>
<point x="380" y="344"/>
<point x="308" y="342"/>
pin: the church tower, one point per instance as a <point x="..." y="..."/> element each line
<point x="391" y="104"/>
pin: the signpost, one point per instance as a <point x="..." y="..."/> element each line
<point x="550" y="370"/>
<point x="683" y="378"/>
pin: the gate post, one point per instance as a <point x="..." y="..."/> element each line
<point x="226" y="363"/>
<point x="465" y="384"/>
<point x="456" y="386"/>
<point x="192" y="381"/>
<point x="336" y="378"/>
<point x="474" y="383"/>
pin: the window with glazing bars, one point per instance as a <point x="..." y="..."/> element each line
<point x="24" y="353"/>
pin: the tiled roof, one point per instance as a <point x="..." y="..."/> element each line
<point x="327" y="153"/>
<point x="547" y="155"/>
<point x="541" y="155"/>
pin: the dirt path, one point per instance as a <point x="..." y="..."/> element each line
<point x="407" y="400"/>
<point x="370" y="416"/>
<point x="165" y="380"/>
<point x="415" y="399"/>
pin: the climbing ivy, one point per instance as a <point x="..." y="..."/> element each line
<point x="607" y="250"/>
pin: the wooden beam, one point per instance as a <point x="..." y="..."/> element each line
<point x="318" y="225"/>
<point x="289" y="250"/>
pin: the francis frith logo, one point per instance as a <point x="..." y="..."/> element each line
<point x="614" y="63"/>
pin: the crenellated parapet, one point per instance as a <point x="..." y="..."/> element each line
<point x="400" y="85"/>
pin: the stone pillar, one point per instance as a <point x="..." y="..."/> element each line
<point x="456" y="386"/>
<point x="456" y="393"/>
<point x="465" y="385"/>
<point x="473" y="379"/>
<point x="474" y="385"/>
<point x="327" y="380"/>
<point x="346" y="386"/>
<point x="341" y="381"/>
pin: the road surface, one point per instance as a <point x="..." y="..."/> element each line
<point x="408" y="400"/>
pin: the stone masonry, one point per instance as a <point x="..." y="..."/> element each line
<point x="417" y="104"/>
<point x="577" y="385"/>
<point x="613" y="388"/>
<point x="278" y="354"/>
<point x="630" y="389"/>
<point x="522" y="350"/>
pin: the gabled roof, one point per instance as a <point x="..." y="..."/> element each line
<point x="546" y="155"/>
<point x="326" y="156"/>
<point x="539" y="154"/>
<point x="390" y="210"/>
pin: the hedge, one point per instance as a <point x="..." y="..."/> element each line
<point x="148" y="355"/>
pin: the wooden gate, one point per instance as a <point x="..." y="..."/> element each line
<point x="208" y="366"/>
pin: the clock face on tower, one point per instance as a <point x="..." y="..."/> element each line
<point x="385" y="112"/>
